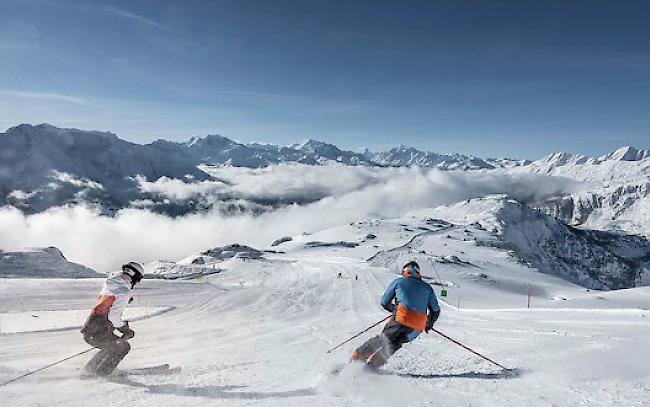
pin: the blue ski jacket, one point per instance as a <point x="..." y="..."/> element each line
<point x="413" y="297"/>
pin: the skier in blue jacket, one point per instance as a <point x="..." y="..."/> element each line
<point x="412" y="299"/>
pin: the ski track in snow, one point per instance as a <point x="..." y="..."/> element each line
<point x="257" y="334"/>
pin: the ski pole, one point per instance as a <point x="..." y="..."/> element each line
<point x="45" y="367"/>
<point x="362" y="332"/>
<point x="469" y="349"/>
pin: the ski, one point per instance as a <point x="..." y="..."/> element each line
<point x="164" y="368"/>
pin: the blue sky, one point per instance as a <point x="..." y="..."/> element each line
<point x="490" y="78"/>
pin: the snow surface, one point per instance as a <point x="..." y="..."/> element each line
<point x="254" y="328"/>
<point x="257" y="333"/>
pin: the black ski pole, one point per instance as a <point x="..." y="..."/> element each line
<point x="45" y="367"/>
<point x="469" y="349"/>
<point x="364" y="331"/>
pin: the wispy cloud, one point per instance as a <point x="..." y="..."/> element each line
<point x="44" y="96"/>
<point x="135" y="17"/>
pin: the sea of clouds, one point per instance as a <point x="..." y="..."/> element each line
<point x="303" y="198"/>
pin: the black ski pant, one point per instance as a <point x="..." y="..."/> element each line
<point x="112" y="349"/>
<point x="378" y="349"/>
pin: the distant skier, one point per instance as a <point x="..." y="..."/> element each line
<point x="413" y="297"/>
<point x="339" y="275"/>
<point x="106" y="316"/>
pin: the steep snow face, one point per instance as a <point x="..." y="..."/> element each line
<point x="46" y="262"/>
<point x="626" y="153"/>
<point x="614" y="189"/>
<point x="593" y="259"/>
<point x="622" y="208"/>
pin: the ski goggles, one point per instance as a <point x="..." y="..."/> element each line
<point x="132" y="272"/>
<point x="412" y="269"/>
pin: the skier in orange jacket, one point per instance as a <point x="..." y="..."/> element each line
<point x="106" y="317"/>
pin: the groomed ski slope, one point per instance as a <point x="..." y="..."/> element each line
<point x="257" y="334"/>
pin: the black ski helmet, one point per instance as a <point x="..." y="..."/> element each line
<point x="133" y="270"/>
<point x="412" y="265"/>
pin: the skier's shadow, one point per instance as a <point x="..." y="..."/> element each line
<point x="214" y="392"/>
<point x="503" y="374"/>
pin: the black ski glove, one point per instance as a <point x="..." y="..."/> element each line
<point x="390" y="307"/>
<point x="431" y="319"/>
<point x="127" y="333"/>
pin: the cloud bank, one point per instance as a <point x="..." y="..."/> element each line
<point x="332" y="196"/>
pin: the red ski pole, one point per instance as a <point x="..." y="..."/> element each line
<point x="468" y="348"/>
<point x="364" y="331"/>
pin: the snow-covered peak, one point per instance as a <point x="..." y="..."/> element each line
<point x="313" y="146"/>
<point x="507" y="162"/>
<point x="192" y="141"/>
<point x="486" y="210"/>
<point x="560" y="159"/>
<point x="563" y="158"/>
<point x="210" y="141"/>
<point x="404" y="156"/>
<point x="65" y="135"/>
<point x="626" y="153"/>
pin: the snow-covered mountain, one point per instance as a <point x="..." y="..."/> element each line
<point x="614" y="192"/>
<point x="218" y="150"/>
<point x="46" y="262"/>
<point x="563" y="162"/>
<point x="625" y="153"/>
<point x="594" y="259"/>
<point x="483" y="233"/>
<point x="42" y="166"/>
<point x="404" y="156"/>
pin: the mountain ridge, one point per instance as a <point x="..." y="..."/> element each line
<point x="42" y="166"/>
<point x="220" y="150"/>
